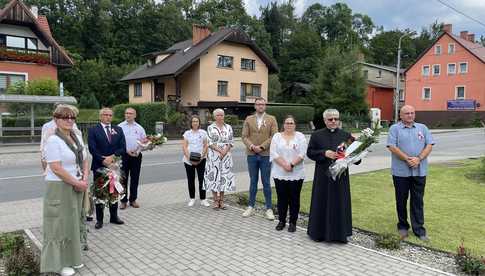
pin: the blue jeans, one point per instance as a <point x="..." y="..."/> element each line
<point x="255" y="164"/>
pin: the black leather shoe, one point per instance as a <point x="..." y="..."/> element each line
<point x="117" y="221"/>
<point x="98" y="225"/>
<point x="292" y="227"/>
<point x="280" y="226"/>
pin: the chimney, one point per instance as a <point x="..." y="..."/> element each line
<point x="35" y="11"/>
<point x="448" y="28"/>
<point x="199" y="33"/>
<point x="464" y="35"/>
<point x="471" y="38"/>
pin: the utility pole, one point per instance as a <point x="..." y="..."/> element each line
<point x="398" y="76"/>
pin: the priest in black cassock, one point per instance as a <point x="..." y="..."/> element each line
<point x="330" y="211"/>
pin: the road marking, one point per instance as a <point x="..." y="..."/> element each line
<point x="37" y="175"/>
<point x="19" y="177"/>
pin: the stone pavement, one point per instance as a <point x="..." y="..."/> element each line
<point x="172" y="239"/>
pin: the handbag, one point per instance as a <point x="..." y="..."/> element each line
<point x="195" y="156"/>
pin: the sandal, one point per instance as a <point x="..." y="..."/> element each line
<point x="216" y="205"/>
<point x="221" y="205"/>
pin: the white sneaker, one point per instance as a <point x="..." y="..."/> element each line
<point x="205" y="203"/>
<point x="67" y="271"/>
<point x="191" y="202"/>
<point x="78" y="266"/>
<point x="269" y="214"/>
<point x="248" y="212"/>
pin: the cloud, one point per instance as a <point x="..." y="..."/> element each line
<point x="402" y="14"/>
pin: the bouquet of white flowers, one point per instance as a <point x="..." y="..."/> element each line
<point x="151" y="142"/>
<point x="354" y="152"/>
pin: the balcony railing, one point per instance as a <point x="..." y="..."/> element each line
<point x="25" y="55"/>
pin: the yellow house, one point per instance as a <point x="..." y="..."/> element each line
<point x="220" y="69"/>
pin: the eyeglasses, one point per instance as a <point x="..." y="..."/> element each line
<point x="128" y="113"/>
<point x="289" y="123"/>
<point x="109" y="115"/>
<point x="333" y="119"/>
<point x="67" y="118"/>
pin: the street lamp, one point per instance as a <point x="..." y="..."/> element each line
<point x="398" y="76"/>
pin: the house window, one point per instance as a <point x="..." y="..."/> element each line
<point x="426" y="70"/>
<point x="248" y="64"/>
<point x="460" y="93"/>
<point x="7" y="80"/>
<point x="222" y="88"/>
<point x="451" y="68"/>
<point x="451" y="48"/>
<point x="437" y="50"/>
<point x="251" y="89"/>
<point x="427" y="93"/>
<point x="138" y="91"/>
<point x="436" y="70"/>
<point x="463" y="67"/>
<point x="401" y="95"/>
<point x="18" y="42"/>
<point x="224" y="61"/>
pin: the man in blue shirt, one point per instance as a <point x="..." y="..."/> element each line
<point x="410" y="144"/>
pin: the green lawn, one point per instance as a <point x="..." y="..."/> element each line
<point x="454" y="204"/>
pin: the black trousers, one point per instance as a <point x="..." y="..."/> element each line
<point x="113" y="208"/>
<point x="404" y="186"/>
<point x="131" y="168"/>
<point x="190" y="170"/>
<point x="288" y="193"/>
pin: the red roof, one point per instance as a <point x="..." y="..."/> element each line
<point x="44" y="24"/>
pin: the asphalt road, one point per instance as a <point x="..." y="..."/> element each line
<point x="20" y="175"/>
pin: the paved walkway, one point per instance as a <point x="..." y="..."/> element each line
<point x="165" y="237"/>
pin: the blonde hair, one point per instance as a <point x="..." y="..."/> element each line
<point x="63" y="110"/>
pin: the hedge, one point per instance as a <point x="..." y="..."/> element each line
<point x="23" y="121"/>
<point x="146" y="114"/>
<point x="302" y="114"/>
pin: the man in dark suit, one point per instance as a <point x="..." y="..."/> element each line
<point x="105" y="141"/>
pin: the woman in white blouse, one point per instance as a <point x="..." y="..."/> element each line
<point x="195" y="143"/>
<point x="287" y="151"/>
<point x="67" y="180"/>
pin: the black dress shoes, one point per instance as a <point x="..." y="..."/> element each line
<point x="98" y="225"/>
<point x="280" y="226"/>
<point x="116" y="221"/>
<point x="292" y="227"/>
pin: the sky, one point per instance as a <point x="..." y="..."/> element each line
<point x="402" y="14"/>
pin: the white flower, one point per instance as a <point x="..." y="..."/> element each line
<point x="164" y="139"/>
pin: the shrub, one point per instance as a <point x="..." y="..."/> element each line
<point x="10" y="243"/>
<point x="22" y="262"/>
<point x="388" y="241"/>
<point x="231" y="119"/>
<point x="88" y="101"/>
<point x="147" y="114"/>
<point x="88" y="115"/>
<point x="302" y="114"/>
<point x="23" y="121"/>
<point x="468" y="263"/>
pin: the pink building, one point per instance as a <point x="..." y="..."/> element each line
<point x="446" y="84"/>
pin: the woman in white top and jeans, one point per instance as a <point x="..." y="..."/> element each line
<point x="195" y="141"/>
<point x="287" y="151"/>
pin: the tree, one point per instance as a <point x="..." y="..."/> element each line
<point x="274" y="88"/>
<point x="300" y="57"/>
<point x="383" y="49"/>
<point x="339" y="84"/>
<point x="221" y="13"/>
<point x="88" y="101"/>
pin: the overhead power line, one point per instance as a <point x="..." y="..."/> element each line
<point x="462" y="13"/>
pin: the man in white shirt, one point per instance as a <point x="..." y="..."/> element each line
<point x="134" y="133"/>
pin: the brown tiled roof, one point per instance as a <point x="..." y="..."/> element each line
<point x="187" y="54"/>
<point x="44" y="24"/>
<point x="39" y="23"/>
<point x="475" y="48"/>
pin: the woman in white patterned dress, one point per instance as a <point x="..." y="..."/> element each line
<point x="218" y="176"/>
